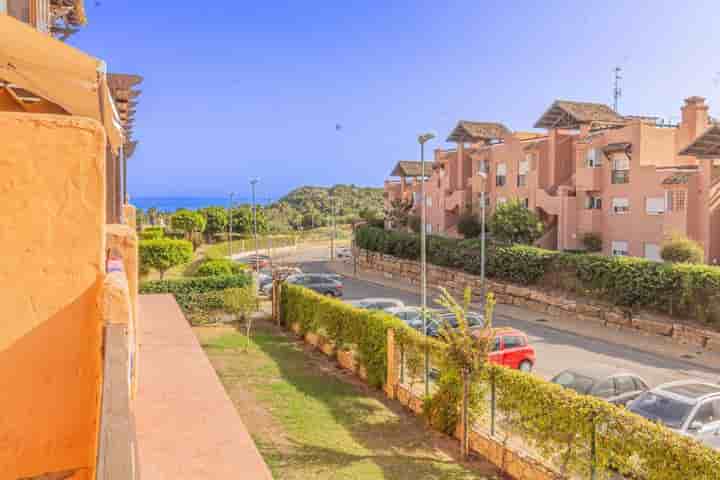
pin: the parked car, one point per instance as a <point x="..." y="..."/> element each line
<point x="255" y="262"/>
<point x="377" y="303"/>
<point x="319" y="283"/>
<point x="512" y="349"/>
<point x="332" y="276"/>
<point x="690" y="407"/>
<point x="410" y="315"/>
<point x="263" y="280"/>
<point x="474" y="321"/>
<point x="344" y="252"/>
<point x="609" y="383"/>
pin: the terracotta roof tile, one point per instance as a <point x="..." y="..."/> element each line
<point x="568" y="114"/>
<point x="406" y="168"/>
<point x="468" y="131"/>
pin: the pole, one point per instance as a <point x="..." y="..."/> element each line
<point x="334" y="231"/>
<point x="423" y="266"/>
<point x="482" y="247"/>
<point x="230" y="226"/>
<point x="254" y="182"/>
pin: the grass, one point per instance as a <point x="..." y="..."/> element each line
<point x="312" y="421"/>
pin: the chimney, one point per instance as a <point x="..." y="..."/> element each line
<point x="694" y="118"/>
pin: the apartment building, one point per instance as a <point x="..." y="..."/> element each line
<point x="631" y="180"/>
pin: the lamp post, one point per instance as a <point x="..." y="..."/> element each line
<point x="422" y="139"/>
<point x="254" y="182"/>
<point x="230" y="225"/>
<point x="484" y="176"/>
<point x="334" y="230"/>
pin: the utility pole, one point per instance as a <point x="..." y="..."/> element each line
<point x="254" y="182"/>
<point x="230" y="225"/>
<point x="333" y="238"/>
<point x="617" y="91"/>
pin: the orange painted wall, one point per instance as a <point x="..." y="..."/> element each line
<point x="52" y="213"/>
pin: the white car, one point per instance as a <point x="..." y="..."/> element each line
<point x="377" y="303"/>
<point x="690" y="407"/>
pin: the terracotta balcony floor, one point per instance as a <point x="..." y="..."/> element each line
<point x="187" y="427"/>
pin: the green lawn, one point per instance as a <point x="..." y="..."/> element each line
<point x="312" y="421"/>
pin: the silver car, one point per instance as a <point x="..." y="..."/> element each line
<point x="690" y="407"/>
<point x="377" y="303"/>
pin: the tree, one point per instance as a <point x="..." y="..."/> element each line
<point x="152" y="215"/>
<point x="242" y="220"/>
<point x="467" y="353"/>
<point x="188" y="222"/>
<point x="680" y="249"/>
<point x="369" y="214"/>
<point x="241" y="302"/>
<point x="468" y="226"/>
<point x="513" y="223"/>
<point x="398" y="213"/>
<point x="163" y="254"/>
<point x="216" y="219"/>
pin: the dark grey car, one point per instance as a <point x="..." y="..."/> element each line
<point x="609" y="383"/>
<point x="320" y="283"/>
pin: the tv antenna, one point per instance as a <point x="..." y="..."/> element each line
<point x="617" y="91"/>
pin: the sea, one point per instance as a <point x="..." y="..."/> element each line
<point x="171" y="204"/>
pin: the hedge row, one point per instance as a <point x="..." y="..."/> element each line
<point x="558" y="422"/>
<point x="213" y="267"/>
<point x="198" y="297"/>
<point x="561" y="423"/>
<point x="346" y="326"/>
<point x="677" y="289"/>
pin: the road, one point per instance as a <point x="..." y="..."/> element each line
<point x="556" y="349"/>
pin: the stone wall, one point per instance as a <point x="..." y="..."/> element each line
<point x="542" y="302"/>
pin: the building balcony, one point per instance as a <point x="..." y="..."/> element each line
<point x="550" y="203"/>
<point x="588" y="178"/>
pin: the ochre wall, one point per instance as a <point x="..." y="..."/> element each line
<point x="52" y="213"/>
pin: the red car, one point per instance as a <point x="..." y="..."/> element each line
<point x="512" y="349"/>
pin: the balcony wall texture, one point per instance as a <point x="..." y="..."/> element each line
<point x="52" y="198"/>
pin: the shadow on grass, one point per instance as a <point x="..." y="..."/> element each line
<point x="332" y="423"/>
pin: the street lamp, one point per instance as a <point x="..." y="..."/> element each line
<point x="422" y="139"/>
<point x="230" y="225"/>
<point x="254" y="182"/>
<point x="484" y="176"/>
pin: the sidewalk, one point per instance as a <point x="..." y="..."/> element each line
<point x="627" y="337"/>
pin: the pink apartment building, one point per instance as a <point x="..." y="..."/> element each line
<point x="631" y="180"/>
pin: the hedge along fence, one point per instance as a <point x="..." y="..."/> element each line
<point x="676" y="289"/>
<point x="585" y="433"/>
<point x="580" y="432"/>
<point x="198" y="297"/>
<point x="347" y="326"/>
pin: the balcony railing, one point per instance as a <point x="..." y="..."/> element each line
<point x="620" y="176"/>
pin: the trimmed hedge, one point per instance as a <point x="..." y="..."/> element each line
<point x="152" y="233"/>
<point x="558" y="422"/>
<point x="346" y="326"/>
<point x="198" y="297"/>
<point x="219" y="266"/>
<point x="677" y="289"/>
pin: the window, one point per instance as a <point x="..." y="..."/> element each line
<point x="483" y="166"/>
<point x="620" y="205"/>
<point x="709" y="412"/>
<point x="676" y="200"/>
<point x="620" y="169"/>
<point x="655" y="205"/>
<point x="501" y="175"/>
<point x="593" y="202"/>
<point x="428" y="228"/>
<point x="620" y="248"/>
<point x="604" y="389"/>
<point x="593" y="158"/>
<point x="624" y="385"/>
<point x="525" y="202"/>
<point x="652" y="252"/>
<point x="428" y="201"/>
<point x="513" y="342"/>
<point x="523" y="169"/>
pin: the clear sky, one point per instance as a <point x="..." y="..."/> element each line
<point x="236" y="89"/>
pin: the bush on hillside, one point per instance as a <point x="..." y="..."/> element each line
<point x="468" y="226"/>
<point x="219" y="266"/>
<point x="513" y="223"/>
<point x="680" y="249"/>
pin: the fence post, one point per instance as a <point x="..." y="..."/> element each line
<point x="593" y="451"/>
<point x="492" y="403"/>
<point x="402" y="363"/>
<point x="391" y="379"/>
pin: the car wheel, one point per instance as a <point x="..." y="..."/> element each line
<point x="525" y="366"/>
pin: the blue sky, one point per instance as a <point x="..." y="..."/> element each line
<point x="236" y="89"/>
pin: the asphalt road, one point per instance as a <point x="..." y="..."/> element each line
<point x="556" y="349"/>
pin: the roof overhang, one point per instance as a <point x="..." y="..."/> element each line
<point x="557" y="117"/>
<point x="706" y="145"/>
<point x="477" y="132"/>
<point x="408" y="169"/>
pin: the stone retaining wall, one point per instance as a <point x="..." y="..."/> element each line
<point x="544" y="303"/>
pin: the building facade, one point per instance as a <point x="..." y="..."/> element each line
<point x="631" y="181"/>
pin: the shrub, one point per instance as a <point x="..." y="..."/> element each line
<point x="198" y="297"/>
<point x="680" y="249"/>
<point x="414" y="223"/>
<point x="152" y="233"/>
<point x="468" y="226"/>
<point x="513" y="223"/>
<point x="592" y="242"/>
<point x="219" y="266"/>
<point x="163" y="254"/>
<point x="690" y="290"/>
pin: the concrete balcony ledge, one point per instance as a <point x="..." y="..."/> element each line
<point x="187" y="426"/>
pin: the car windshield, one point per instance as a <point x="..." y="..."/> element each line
<point x="666" y="410"/>
<point x="574" y="381"/>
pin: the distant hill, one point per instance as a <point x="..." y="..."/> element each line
<point x="309" y="206"/>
